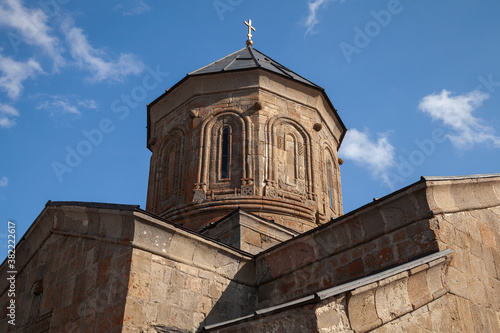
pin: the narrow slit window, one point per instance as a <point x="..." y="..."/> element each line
<point x="225" y="153"/>
<point x="291" y="162"/>
<point x="330" y="181"/>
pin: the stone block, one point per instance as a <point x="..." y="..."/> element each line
<point x="153" y="238"/>
<point x="331" y="315"/>
<point x="417" y="290"/>
<point x="465" y="314"/>
<point x="435" y="282"/>
<point x="362" y="313"/>
<point x="487" y="235"/>
<point x="419" y="269"/>
<point x="139" y="285"/>
<point x="204" y="255"/>
<point x="489" y="262"/>
<point x="182" y="247"/>
<point x="158" y="290"/>
<point x="110" y="224"/>
<point x="392" y="300"/>
<point x="479" y="318"/>
<point x="140" y="261"/>
<point x="477" y="293"/>
<point x="444" y="314"/>
<point x="215" y="290"/>
<point x="75" y="219"/>
<point x="402" y="275"/>
<point x="189" y="300"/>
<point x="204" y="304"/>
<point x="226" y="265"/>
<point x="364" y="288"/>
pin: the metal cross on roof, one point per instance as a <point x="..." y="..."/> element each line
<point x="250" y="28"/>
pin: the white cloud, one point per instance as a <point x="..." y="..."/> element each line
<point x="7" y="113"/>
<point x="57" y="105"/>
<point x="32" y="25"/>
<point x="312" y="18"/>
<point x="13" y="73"/>
<point x="88" y="104"/>
<point x="456" y="112"/>
<point x="4" y="182"/>
<point x="377" y="157"/>
<point x="91" y="59"/>
<point x="132" y="7"/>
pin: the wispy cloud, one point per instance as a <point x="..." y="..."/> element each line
<point x="35" y="28"/>
<point x="132" y="7"/>
<point x="456" y="112"/>
<point x="7" y="115"/>
<point x="4" y="182"/>
<point x="375" y="155"/>
<point x="314" y="7"/>
<point x="32" y="25"/>
<point x="88" y="104"/>
<point x="57" y="105"/>
<point x="13" y="73"/>
<point x="89" y="58"/>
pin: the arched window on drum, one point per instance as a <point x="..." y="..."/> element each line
<point x="330" y="183"/>
<point x="225" y="153"/>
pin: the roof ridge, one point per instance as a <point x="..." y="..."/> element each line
<point x="214" y="62"/>
<point x="250" y="50"/>
<point x="288" y="69"/>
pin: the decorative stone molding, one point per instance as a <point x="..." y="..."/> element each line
<point x="271" y="192"/>
<point x="257" y="106"/>
<point x="194" y="113"/>
<point x="200" y="194"/>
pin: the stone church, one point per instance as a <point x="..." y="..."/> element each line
<point x="244" y="231"/>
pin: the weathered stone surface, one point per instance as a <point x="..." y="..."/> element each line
<point x="362" y="313"/>
<point x="392" y="300"/>
<point x="418" y="291"/>
<point x="331" y="316"/>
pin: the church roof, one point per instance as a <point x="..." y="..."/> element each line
<point x="250" y="58"/>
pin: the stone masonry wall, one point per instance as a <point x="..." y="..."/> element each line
<point x="107" y="268"/>
<point x="461" y="214"/>
<point x="192" y="283"/>
<point x="369" y="240"/>
<point x="69" y="283"/>
<point x="415" y="300"/>
<point x="474" y="272"/>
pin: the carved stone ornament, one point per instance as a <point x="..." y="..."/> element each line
<point x="281" y="142"/>
<point x="247" y="190"/>
<point x="317" y="127"/>
<point x="199" y="196"/>
<point x="194" y="113"/>
<point x="257" y="106"/>
<point x="271" y="192"/>
<point x="300" y="148"/>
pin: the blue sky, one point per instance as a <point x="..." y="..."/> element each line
<point x="417" y="83"/>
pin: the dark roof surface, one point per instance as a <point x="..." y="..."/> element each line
<point x="249" y="58"/>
